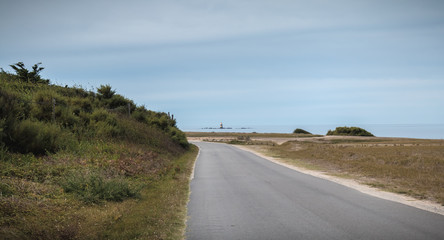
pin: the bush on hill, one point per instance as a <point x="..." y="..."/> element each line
<point x="350" y="131"/>
<point x="300" y="131"/>
<point x="66" y="150"/>
<point x="35" y="116"/>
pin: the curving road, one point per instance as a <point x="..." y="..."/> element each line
<point x="238" y="195"/>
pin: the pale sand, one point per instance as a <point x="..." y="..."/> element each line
<point x="421" y="204"/>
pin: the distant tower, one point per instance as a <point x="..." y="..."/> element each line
<point x="221" y="125"/>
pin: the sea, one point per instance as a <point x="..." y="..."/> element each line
<point x="422" y="131"/>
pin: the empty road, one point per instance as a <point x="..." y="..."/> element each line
<point x="238" y="195"/>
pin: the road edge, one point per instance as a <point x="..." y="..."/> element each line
<point x="191" y="177"/>
<point x="194" y="164"/>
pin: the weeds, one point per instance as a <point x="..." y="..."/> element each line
<point x="93" y="187"/>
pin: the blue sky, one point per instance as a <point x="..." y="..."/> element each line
<point x="243" y="62"/>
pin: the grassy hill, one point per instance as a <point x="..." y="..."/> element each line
<point x="80" y="164"/>
<point x="350" y="131"/>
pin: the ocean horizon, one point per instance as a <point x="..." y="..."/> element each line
<point x="423" y="131"/>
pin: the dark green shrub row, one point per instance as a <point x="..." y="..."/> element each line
<point x="300" y="131"/>
<point x="37" y="117"/>
<point x="350" y="131"/>
<point x="39" y="137"/>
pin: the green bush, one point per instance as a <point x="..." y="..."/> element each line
<point x="140" y="116"/>
<point x="82" y="103"/>
<point x="105" y="124"/>
<point x="67" y="117"/>
<point x="3" y="151"/>
<point x="301" y="131"/>
<point x="118" y="101"/>
<point x="27" y="118"/>
<point x="105" y="130"/>
<point x="12" y="107"/>
<point x="94" y="187"/>
<point x="39" y="137"/>
<point x="42" y="105"/>
<point x="25" y="75"/>
<point x="179" y="137"/>
<point x="105" y="92"/>
<point x="350" y="131"/>
<point x="5" y="189"/>
<point x="101" y="115"/>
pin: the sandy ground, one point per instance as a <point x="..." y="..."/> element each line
<point x="421" y="204"/>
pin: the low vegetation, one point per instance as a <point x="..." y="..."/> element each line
<point x="407" y="166"/>
<point x="301" y="131"/>
<point x="78" y="164"/>
<point x="350" y="131"/>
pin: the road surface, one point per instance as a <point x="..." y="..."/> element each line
<point x="238" y="195"/>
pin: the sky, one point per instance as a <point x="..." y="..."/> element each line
<point x="242" y="62"/>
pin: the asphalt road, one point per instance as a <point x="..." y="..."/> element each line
<point x="238" y="195"/>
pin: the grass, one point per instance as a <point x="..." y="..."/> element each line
<point x="34" y="204"/>
<point x="412" y="167"/>
<point x="75" y="164"/>
<point x="160" y="213"/>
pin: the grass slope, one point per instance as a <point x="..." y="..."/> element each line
<point x="77" y="164"/>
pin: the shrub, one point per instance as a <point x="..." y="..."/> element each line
<point x="93" y="187"/>
<point x="12" y="107"/>
<point x="118" y="101"/>
<point x="301" y="131"/>
<point x="67" y="117"/>
<point x="105" y="92"/>
<point x="25" y="75"/>
<point x="39" y="137"/>
<point x="3" y="151"/>
<point x="104" y="124"/>
<point x="105" y="130"/>
<point x="140" y="116"/>
<point x="5" y="189"/>
<point x="42" y="106"/>
<point x="350" y="131"/>
<point x="83" y="103"/>
<point x="179" y="137"/>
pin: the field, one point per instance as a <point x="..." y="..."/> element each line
<point x="413" y="167"/>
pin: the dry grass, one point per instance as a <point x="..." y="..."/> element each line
<point x="34" y="206"/>
<point x="161" y="211"/>
<point x="408" y="166"/>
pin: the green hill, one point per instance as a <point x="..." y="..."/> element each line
<point x="300" y="131"/>
<point x="350" y="131"/>
<point x="66" y="152"/>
